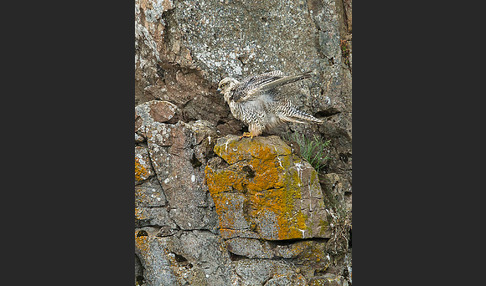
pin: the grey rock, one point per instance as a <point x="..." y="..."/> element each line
<point x="251" y="248"/>
<point x="166" y="230"/>
<point x="182" y="49"/>
<point x="287" y="280"/>
<point x="138" y="271"/>
<point x="171" y="147"/>
<point x="193" y="217"/>
<point x="205" y="252"/>
<point x="146" y="216"/>
<point x="260" y="271"/>
<point x="149" y="29"/>
<point x="153" y="111"/>
<point x="340" y="188"/>
<point x="151" y="251"/>
<point x="329" y="279"/>
<point x="143" y="168"/>
<point x="149" y="194"/>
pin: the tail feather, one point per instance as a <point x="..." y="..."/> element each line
<point x="294" y="115"/>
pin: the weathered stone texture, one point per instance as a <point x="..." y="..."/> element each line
<point x="214" y="210"/>
<point x="149" y="194"/>
<point x="184" y="258"/>
<point x="176" y="224"/>
<point x="174" y="150"/>
<point x="143" y="170"/>
<point x="263" y="271"/>
<point x="153" y="258"/>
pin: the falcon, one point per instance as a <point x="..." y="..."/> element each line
<point x="257" y="102"/>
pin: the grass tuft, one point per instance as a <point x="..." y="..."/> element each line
<point x="314" y="150"/>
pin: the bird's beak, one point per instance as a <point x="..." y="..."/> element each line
<point x="218" y="90"/>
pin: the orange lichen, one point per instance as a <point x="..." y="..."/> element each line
<point x="139" y="214"/>
<point x="267" y="190"/>
<point x="219" y="183"/>
<point x="140" y="196"/>
<point x="142" y="243"/>
<point x="140" y="172"/>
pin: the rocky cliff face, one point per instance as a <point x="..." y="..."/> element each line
<point x="215" y="210"/>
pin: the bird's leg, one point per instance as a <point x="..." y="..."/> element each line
<point x="246" y="134"/>
<point x="253" y="132"/>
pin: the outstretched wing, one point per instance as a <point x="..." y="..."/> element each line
<point x="250" y="86"/>
<point x="265" y="83"/>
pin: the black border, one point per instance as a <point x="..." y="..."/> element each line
<point x="415" y="124"/>
<point x="70" y="186"/>
<point x="71" y="136"/>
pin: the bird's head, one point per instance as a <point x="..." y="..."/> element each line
<point x="226" y="86"/>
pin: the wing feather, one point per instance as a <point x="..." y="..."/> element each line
<point x="250" y="86"/>
<point x="254" y="86"/>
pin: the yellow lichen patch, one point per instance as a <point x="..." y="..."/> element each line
<point x="140" y="196"/>
<point x="139" y="214"/>
<point x="227" y="203"/>
<point x="291" y="227"/>
<point x="220" y="182"/>
<point x="300" y="223"/>
<point x="261" y="190"/>
<point x="142" y="243"/>
<point x="140" y="172"/>
<point x="229" y="152"/>
<point x="314" y="252"/>
<point x="278" y="203"/>
<point x="263" y="152"/>
<point x="266" y="176"/>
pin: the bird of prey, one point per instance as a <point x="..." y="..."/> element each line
<point x="256" y="101"/>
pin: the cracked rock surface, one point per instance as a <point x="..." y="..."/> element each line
<point x="211" y="209"/>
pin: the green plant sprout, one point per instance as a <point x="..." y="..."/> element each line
<point x="314" y="150"/>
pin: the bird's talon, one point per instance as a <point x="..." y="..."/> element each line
<point x="246" y="134"/>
